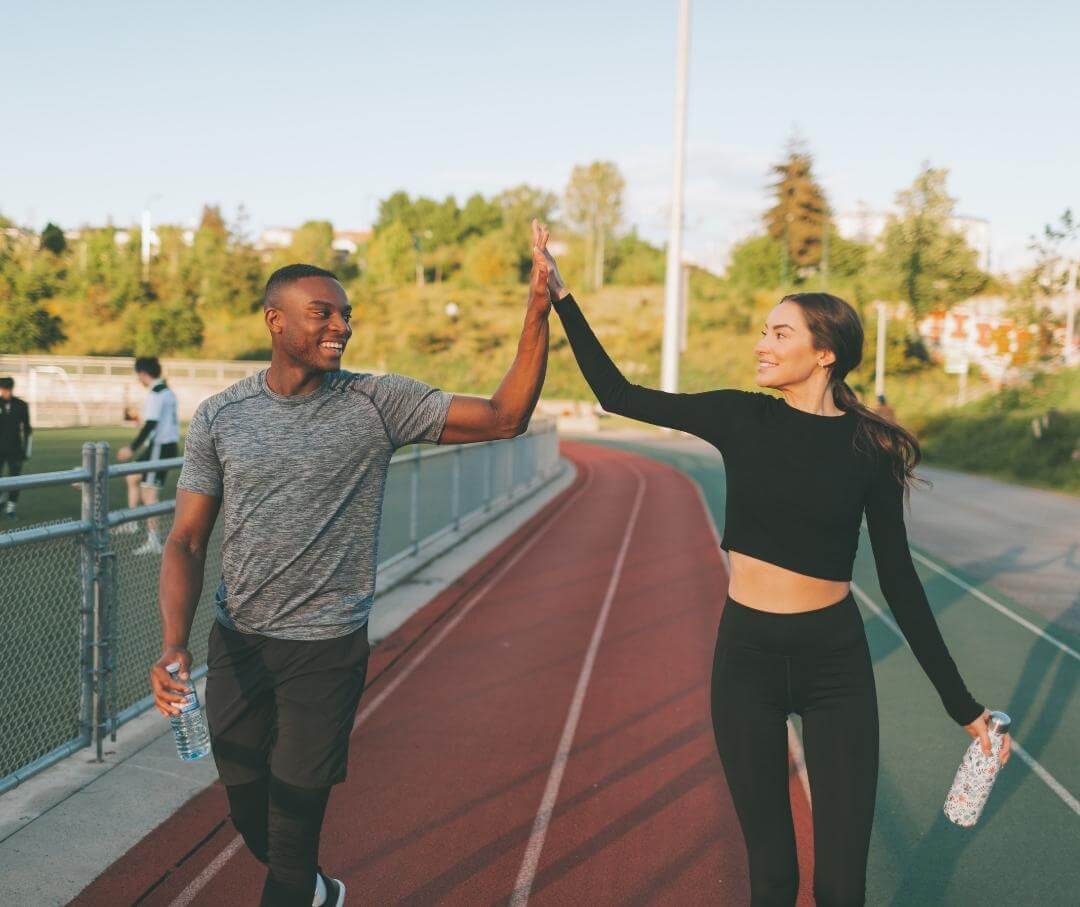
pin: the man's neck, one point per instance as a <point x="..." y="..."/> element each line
<point x="290" y="380"/>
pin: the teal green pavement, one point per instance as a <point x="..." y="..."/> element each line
<point x="1025" y="848"/>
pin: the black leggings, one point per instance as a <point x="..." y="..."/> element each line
<point x="816" y="664"/>
<point x="280" y="823"/>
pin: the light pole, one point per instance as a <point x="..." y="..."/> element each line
<point x="1070" y="315"/>
<point x="145" y="236"/>
<point x="669" y="357"/>
<point x="879" y="361"/>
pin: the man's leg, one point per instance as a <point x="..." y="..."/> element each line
<point x="240" y="714"/>
<point x="151" y="494"/>
<point x="319" y="683"/>
<point x="14" y="466"/>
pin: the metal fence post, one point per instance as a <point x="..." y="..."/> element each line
<point x="455" y="489"/>
<point x="88" y="583"/>
<point x="100" y="518"/>
<point x="414" y="501"/>
<point x="512" y="449"/>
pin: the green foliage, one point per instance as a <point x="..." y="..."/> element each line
<point x="52" y="239"/>
<point x="755" y="263"/>
<point x="163" y="328"/>
<point x="634" y="262"/>
<point x="593" y="204"/>
<point x="312" y="244"/>
<point x="391" y="259"/>
<point x="492" y="260"/>
<point x="922" y="259"/>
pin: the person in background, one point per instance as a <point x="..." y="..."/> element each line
<point x="158" y="439"/>
<point x="884" y="410"/>
<point x="15" y="440"/>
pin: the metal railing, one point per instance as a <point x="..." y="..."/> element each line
<point x="80" y="624"/>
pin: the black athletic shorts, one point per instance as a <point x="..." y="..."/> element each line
<point x="283" y="706"/>
<point x="156" y="479"/>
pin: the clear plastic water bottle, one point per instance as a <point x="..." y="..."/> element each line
<point x="189" y="727"/>
<point x="976" y="775"/>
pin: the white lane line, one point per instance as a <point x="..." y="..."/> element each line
<point x="203" y="878"/>
<point x="996" y="605"/>
<point x="1056" y="786"/>
<point x="799" y="758"/>
<point x="529" y="864"/>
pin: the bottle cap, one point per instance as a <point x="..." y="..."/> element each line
<point x="999" y="723"/>
<point x="174" y="668"/>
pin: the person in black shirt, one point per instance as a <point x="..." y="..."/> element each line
<point x="801" y="469"/>
<point x="15" y="440"/>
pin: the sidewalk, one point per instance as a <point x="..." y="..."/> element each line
<point x="61" y="829"/>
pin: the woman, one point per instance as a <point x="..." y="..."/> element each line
<point x="801" y="469"/>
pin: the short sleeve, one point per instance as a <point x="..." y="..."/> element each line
<point x="202" y="471"/>
<point x="412" y="411"/>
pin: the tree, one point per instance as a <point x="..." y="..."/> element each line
<point x="798" y="218"/>
<point x="1055" y="249"/>
<point x="157" y="328"/>
<point x="921" y="257"/>
<point x="635" y="262"/>
<point x="756" y="264"/>
<point x="594" y="198"/>
<point x="313" y="244"/>
<point x="491" y="259"/>
<point x="52" y="239"/>
<point x="390" y="256"/>
<point x="479" y="216"/>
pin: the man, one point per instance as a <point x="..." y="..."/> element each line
<point x="296" y="458"/>
<point x="15" y="440"/>
<point x="158" y="440"/>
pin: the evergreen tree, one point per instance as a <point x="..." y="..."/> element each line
<point x="798" y="219"/>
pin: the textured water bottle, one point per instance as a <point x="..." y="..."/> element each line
<point x="976" y="775"/>
<point x="189" y="727"/>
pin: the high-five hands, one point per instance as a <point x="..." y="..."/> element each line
<point x="538" y="281"/>
<point x="554" y="279"/>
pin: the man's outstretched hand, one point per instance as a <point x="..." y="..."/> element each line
<point x="541" y="270"/>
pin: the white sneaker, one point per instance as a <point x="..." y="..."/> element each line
<point x="9" y="508"/>
<point x="150" y="546"/>
<point x="126" y="528"/>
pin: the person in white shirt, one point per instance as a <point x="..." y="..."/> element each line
<point x="158" y="439"/>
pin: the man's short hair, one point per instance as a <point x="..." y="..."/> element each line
<point x="7" y="383"/>
<point x="149" y="365"/>
<point x="282" y="277"/>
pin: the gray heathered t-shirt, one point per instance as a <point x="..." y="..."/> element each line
<point x="301" y="480"/>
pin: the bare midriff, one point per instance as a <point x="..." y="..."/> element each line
<point x="768" y="587"/>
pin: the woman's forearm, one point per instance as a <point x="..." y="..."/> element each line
<point x="603" y="376"/>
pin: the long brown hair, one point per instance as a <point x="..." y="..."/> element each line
<point x="835" y="325"/>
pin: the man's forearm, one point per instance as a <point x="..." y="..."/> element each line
<point x="518" y="392"/>
<point x="179" y="589"/>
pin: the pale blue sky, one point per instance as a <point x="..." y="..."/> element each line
<point x="318" y="109"/>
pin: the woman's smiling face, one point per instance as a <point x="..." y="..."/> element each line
<point x="785" y="352"/>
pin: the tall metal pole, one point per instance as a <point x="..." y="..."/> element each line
<point x="669" y="359"/>
<point x="879" y="361"/>
<point x="1070" y="315"/>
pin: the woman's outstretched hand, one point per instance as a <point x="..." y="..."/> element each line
<point x="554" y="279"/>
<point x="980" y="730"/>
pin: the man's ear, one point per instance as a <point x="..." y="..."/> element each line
<point x="274" y="319"/>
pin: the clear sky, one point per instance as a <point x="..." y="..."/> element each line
<point x="318" y="109"/>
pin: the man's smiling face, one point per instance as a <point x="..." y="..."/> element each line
<point x="309" y="320"/>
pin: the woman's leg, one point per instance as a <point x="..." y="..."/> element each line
<point x="749" y="711"/>
<point x="840" y="737"/>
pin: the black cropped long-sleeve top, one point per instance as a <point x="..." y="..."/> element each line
<point x="796" y="492"/>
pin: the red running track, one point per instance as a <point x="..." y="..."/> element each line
<point x="591" y="628"/>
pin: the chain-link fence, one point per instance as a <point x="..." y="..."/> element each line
<point x="80" y="624"/>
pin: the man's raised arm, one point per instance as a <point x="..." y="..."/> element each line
<point x="508" y="411"/>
